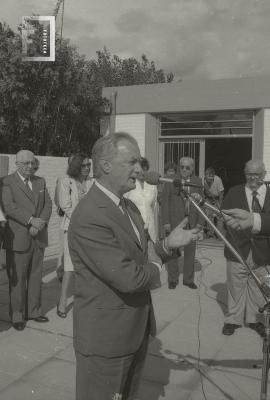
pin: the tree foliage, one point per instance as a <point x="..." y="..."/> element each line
<point x="54" y="108"/>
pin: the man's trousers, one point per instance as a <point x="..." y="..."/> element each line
<point x="24" y="271"/>
<point x="116" y="378"/>
<point x="188" y="269"/>
<point x="244" y="297"/>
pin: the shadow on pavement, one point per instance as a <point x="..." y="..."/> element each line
<point x="157" y="370"/>
<point x="221" y="290"/>
<point x="161" y="362"/>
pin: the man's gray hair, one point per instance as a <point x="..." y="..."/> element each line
<point x="258" y="164"/>
<point x="106" y="148"/>
<point x="189" y="159"/>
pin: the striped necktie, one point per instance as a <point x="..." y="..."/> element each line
<point x="26" y="182"/>
<point x="187" y="202"/>
<point x="123" y="208"/>
<point x="255" y="206"/>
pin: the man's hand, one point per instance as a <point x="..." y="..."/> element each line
<point x="3" y="224"/>
<point x="152" y="255"/>
<point x="181" y="237"/>
<point x="37" y="223"/>
<point x="167" y="228"/>
<point x="238" y="219"/>
<point x="33" y="231"/>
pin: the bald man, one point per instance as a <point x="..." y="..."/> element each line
<point x="174" y="207"/>
<point x="244" y="298"/>
<point x="28" y="208"/>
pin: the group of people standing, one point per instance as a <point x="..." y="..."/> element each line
<point x="111" y="239"/>
<point x="27" y="209"/>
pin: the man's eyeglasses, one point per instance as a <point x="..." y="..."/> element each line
<point x="27" y="162"/>
<point x="250" y="175"/>
<point x="86" y="165"/>
<point x="187" y="167"/>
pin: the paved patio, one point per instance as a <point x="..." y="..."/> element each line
<point x="189" y="358"/>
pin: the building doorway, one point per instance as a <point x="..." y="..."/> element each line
<point x="220" y="139"/>
<point x="228" y="158"/>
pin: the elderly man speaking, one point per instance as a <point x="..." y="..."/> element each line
<point x="244" y="297"/>
<point x="115" y="268"/>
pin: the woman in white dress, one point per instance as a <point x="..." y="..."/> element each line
<point x="72" y="188"/>
<point x="145" y="198"/>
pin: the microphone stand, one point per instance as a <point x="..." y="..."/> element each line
<point x="263" y="287"/>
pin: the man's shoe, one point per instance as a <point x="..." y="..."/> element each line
<point x="61" y="314"/>
<point x="191" y="285"/>
<point x="228" y="329"/>
<point x="172" y="285"/>
<point x="19" y="326"/>
<point x="258" y="327"/>
<point x="41" y="318"/>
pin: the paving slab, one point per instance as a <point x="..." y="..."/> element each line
<point x="35" y="391"/>
<point x="189" y="357"/>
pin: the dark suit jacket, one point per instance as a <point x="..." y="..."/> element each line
<point x="173" y="205"/>
<point x="19" y="204"/>
<point x="265" y="229"/>
<point x="245" y="240"/>
<point x="112" y="303"/>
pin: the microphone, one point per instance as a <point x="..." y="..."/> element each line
<point x="154" y="178"/>
<point x="201" y="202"/>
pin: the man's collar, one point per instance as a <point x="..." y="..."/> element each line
<point x="22" y="177"/>
<point x="108" y="193"/>
<point x="260" y="190"/>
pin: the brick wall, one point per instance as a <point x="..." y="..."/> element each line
<point x="50" y="168"/>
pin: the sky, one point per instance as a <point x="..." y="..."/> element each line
<point x="194" y="39"/>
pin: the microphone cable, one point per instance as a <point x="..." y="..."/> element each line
<point x="201" y="282"/>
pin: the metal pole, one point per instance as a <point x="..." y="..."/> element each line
<point x="265" y="290"/>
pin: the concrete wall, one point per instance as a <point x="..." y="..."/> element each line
<point x="134" y="124"/>
<point x="192" y="95"/>
<point x="258" y="138"/>
<point x="151" y="142"/>
<point x="266" y="142"/>
<point x="50" y="168"/>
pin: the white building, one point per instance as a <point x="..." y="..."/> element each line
<point x="220" y="123"/>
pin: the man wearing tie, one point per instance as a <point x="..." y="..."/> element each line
<point x="244" y="298"/>
<point x="28" y="208"/>
<point x="115" y="268"/>
<point x="175" y="207"/>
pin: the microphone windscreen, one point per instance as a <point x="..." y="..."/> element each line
<point x="197" y="198"/>
<point x="151" y="177"/>
<point x="177" y="182"/>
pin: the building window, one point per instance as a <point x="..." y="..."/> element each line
<point x="223" y="123"/>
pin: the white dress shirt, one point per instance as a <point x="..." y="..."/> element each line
<point x="145" y="198"/>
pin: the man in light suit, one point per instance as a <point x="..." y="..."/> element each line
<point x="28" y="208"/>
<point x="115" y="268"/>
<point x="244" y="298"/>
<point x="175" y="207"/>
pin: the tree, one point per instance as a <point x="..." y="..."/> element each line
<point x="55" y="108"/>
<point x="114" y="71"/>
